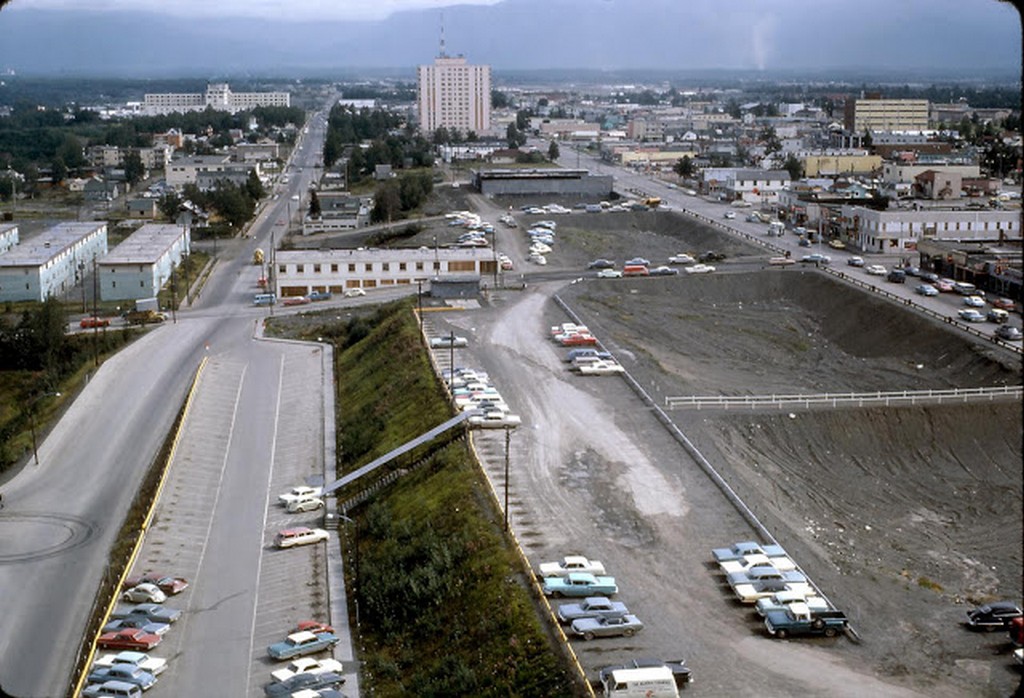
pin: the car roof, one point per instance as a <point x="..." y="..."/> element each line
<point x="302" y="636"/>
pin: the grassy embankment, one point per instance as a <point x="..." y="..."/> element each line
<point x="438" y="590"/>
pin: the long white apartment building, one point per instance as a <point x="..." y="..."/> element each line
<point x="454" y="94"/>
<point x="51" y="263"/>
<point x="299" y="272"/>
<point x="218" y="96"/>
<point x="8" y="236"/>
<point x="143" y="262"/>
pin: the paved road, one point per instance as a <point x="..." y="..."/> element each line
<point x="60" y="517"/>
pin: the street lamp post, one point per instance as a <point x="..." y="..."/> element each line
<point x="508" y="437"/>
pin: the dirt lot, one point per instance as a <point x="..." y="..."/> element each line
<point x="904" y="516"/>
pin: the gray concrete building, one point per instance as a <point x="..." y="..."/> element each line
<point x="51" y="263"/>
<point x="143" y="262"/>
<point x="542" y="182"/>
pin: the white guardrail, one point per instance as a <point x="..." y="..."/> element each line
<point x="896" y="397"/>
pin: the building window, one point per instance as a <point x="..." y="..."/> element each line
<point x="368" y="266"/>
<point x="316" y="268"/>
<point x="401" y="266"/>
<point x="282" y="269"/>
<point x="334" y="268"/>
<point x="385" y="266"/>
<point x="419" y="266"/>
<point x="300" y="268"/>
<point x="352" y="267"/>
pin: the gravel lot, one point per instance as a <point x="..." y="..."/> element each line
<point x="904" y="516"/>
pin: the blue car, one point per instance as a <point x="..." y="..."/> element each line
<point x="744" y="548"/>
<point x="579" y="584"/>
<point x="122" y="672"/>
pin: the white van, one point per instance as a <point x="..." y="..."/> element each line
<point x="264" y="299"/>
<point x="650" y="682"/>
<point x="965" y="289"/>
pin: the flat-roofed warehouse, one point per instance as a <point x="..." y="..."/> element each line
<point x="143" y="262"/>
<point x="542" y="182"/>
<point x="51" y="263"/>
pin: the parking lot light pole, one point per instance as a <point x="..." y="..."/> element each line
<point x="451" y="358"/>
<point x="508" y="437"/>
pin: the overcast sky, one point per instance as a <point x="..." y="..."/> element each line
<point x="284" y="9"/>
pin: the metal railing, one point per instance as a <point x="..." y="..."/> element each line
<point x="893" y="397"/>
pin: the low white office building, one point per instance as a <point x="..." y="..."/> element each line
<point x="8" y="236"/>
<point x="298" y="272"/>
<point x="51" y="263"/>
<point x="900" y="230"/>
<point x="143" y="262"/>
<point x="218" y="96"/>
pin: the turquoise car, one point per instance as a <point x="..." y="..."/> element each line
<point x="579" y="584"/>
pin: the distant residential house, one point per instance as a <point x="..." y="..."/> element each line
<point x="756" y="186"/>
<point x="932" y="184"/>
<point x="96" y="189"/>
<point x="382" y="172"/>
<point x="339" y="211"/>
<point x="144" y="207"/>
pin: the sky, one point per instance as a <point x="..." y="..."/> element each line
<point x="955" y="38"/>
<point x="285" y="9"/>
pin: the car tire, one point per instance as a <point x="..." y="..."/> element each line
<point x="818" y="624"/>
<point x="781" y="634"/>
<point x="830" y="632"/>
<point x="629" y="632"/>
<point x="588" y="636"/>
<point x="556" y="594"/>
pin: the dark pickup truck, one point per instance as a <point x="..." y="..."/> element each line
<point x="798" y="619"/>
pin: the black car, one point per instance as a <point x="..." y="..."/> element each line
<point x="601" y="264"/>
<point x="1008" y="332"/>
<point x="711" y="256"/>
<point x="994" y="616"/>
<point x="897" y="276"/>
<point x="680" y="672"/>
<point x="929" y="276"/>
<point x="305" y="680"/>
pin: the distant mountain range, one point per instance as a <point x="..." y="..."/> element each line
<point x="936" y="38"/>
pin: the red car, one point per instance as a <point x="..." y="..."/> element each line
<point x="94" y="322"/>
<point x="578" y="340"/>
<point x="313" y="626"/>
<point x="168" y="584"/>
<point x="129" y="639"/>
<point x="295" y="300"/>
<point x="1003" y="304"/>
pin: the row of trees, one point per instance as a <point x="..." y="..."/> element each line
<point x="396" y="197"/>
<point x="233" y="203"/>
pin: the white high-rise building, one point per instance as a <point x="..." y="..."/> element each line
<point x="454" y="94"/>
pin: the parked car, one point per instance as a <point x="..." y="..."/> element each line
<point x="495" y="419"/>
<point x="764" y="572"/>
<point x="149" y="611"/>
<point x="578" y="340"/>
<point x="305" y="504"/>
<point x="609" y="274"/>
<point x="744" y="548"/>
<point x="1003" y="303"/>
<point x="994" y="616"/>
<point x="306" y="665"/>
<point x="129" y="639"/>
<point x="700" y="269"/>
<point x="971" y="315"/>
<point x="591" y="607"/>
<point x="681" y="673"/>
<point x="141" y="593"/>
<point x="90" y="322"/>
<point x="319" y="296"/>
<point x="122" y="672"/>
<point x="354" y="292"/>
<point x="681" y="258"/>
<point x="974" y="301"/>
<point x="601" y="264"/>
<point x="291" y="537"/>
<point x="569" y="564"/>
<point x="837" y="244"/>
<point x="306" y="681"/>
<point x="169" y="584"/>
<point x="302" y="643"/>
<point x="786" y="598"/>
<point x="875" y="270"/>
<point x="574" y="354"/>
<point x="601" y="367"/>
<point x="752" y="591"/>
<point x="295" y="300"/>
<point x="1008" y="332"/>
<point x="798" y="619"/>
<point x="154" y="665"/>
<point x="299" y="492"/>
<point x="579" y="584"/>
<point x="664" y="271"/>
<point x="143" y="624"/>
<point x="855" y="261"/>
<point x="750" y="562"/>
<point x="112" y="689"/>
<point x="638" y="262"/>
<point x="446" y="341"/>
<point x="313" y="626"/>
<point x="607" y="626"/>
<point x="926" y="290"/>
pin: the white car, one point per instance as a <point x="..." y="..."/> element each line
<point x="539" y="248"/>
<point x="681" y="259"/>
<point x="783" y="599"/>
<point x="305" y="504"/>
<point x="495" y="419"/>
<point x="730" y="215"/>
<point x="538" y="259"/>
<point x="971" y="315"/>
<point x="974" y="301"/>
<point x="750" y="592"/>
<point x="354" y="292"/>
<point x="290" y="537"/>
<point x="600" y="368"/>
<point x="700" y="269"/>
<point x="144" y="593"/>
<point x="299" y="492"/>
<point x="570" y="564"/>
<point x="447" y="340"/>
<point x="609" y="274"/>
<point x="876" y="270"/>
<point x="306" y="665"/>
<point x="153" y="665"/>
<point x="779" y="562"/>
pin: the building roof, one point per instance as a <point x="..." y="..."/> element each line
<point x="5" y="227"/>
<point x="145" y="246"/>
<point x="48" y="244"/>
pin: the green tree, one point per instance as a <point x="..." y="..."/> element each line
<point x="387" y="202"/>
<point x="134" y="170"/>
<point x="58" y="170"/>
<point x="523" y="119"/>
<point x="499" y="100"/>
<point x="314" y="204"/>
<point x="254" y="187"/>
<point x="169" y="204"/>
<point x="553" y="151"/>
<point x="684" y="167"/>
<point x="441" y="136"/>
<point x="513" y="137"/>
<point x="771" y="141"/>
<point x="794" y="166"/>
